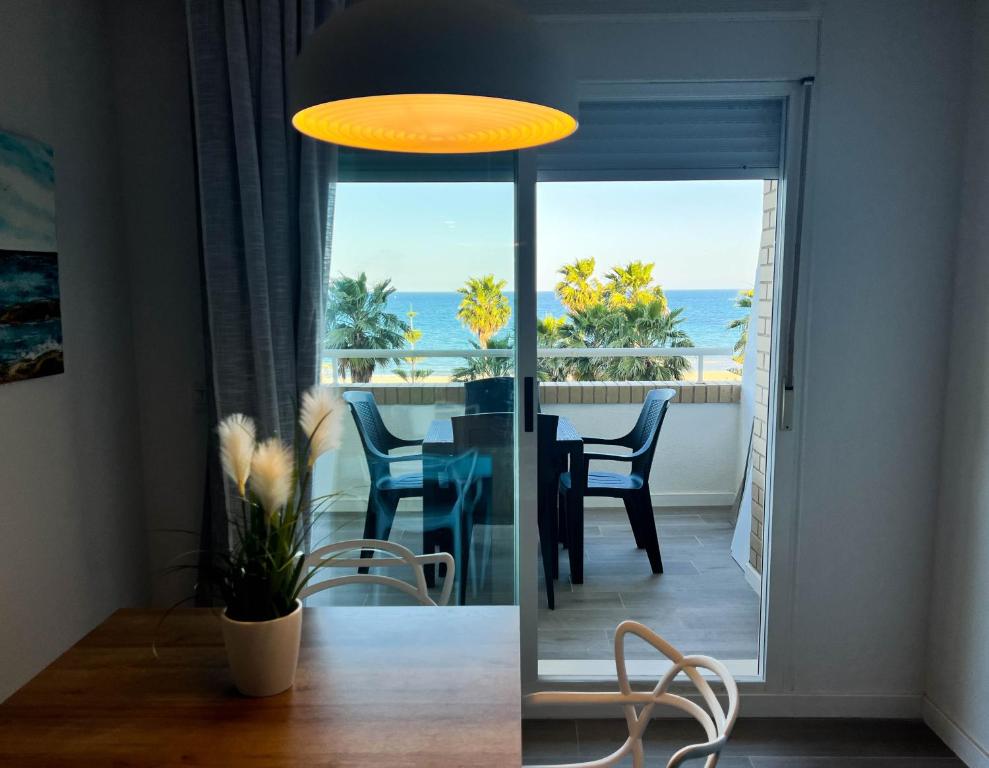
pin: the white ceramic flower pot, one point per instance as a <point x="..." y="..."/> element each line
<point x="263" y="655"/>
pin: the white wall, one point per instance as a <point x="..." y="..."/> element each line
<point x="882" y="216"/>
<point x="668" y="40"/>
<point x="72" y="531"/>
<point x="958" y="656"/>
<point x="160" y="228"/>
<point x="695" y="463"/>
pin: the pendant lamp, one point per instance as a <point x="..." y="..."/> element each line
<point x="432" y="76"/>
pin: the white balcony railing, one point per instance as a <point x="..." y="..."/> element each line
<point x="692" y="353"/>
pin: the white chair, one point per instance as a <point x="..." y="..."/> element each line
<point x="716" y="721"/>
<point x="395" y="556"/>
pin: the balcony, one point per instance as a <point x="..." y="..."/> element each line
<point x="705" y="601"/>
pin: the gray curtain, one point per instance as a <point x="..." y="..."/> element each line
<point x="266" y="198"/>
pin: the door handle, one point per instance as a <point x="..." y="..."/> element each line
<point x="529" y="399"/>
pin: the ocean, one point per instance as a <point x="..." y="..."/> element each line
<point x="706" y="314"/>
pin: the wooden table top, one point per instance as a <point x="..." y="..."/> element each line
<point x="440" y="432"/>
<point x="376" y="687"/>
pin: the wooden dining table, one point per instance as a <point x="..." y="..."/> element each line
<point x="439" y="442"/>
<point x="376" y="687"/>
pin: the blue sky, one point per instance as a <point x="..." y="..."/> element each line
<point x="431" y="237"/>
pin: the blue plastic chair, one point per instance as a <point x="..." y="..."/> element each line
<point x="633" y="488"/>
<point x="387" y="489"/>
<point x="494" y="395"/>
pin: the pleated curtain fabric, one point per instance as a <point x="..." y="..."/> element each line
<point x="266" y="205"/>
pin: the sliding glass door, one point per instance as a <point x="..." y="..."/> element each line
<point x="623" y="284"/>
<point x="656" y="311"/>
<point x="420" y="338"/>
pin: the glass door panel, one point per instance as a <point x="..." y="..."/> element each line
<point x="420" y="325"/>
<point x="653" y="319"/>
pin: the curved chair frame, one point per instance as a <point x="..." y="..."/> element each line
<point x="639" y="706"/>
<point x="331" y="556"/>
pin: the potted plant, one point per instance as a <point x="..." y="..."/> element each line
<point x="262" y="575"/>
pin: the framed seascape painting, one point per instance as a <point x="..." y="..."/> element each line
<point x="30" y="313"/>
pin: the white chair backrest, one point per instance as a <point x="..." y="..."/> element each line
<point x="395" y="556"/>
<point x="639" y="706"/>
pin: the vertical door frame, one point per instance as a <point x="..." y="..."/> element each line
<point x="784" y="424"/>
<point x="526" y="536"/>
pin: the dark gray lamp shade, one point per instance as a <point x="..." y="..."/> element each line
<point x="434" y="76"/>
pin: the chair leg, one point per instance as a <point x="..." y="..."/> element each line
<point x="561" y="518"/>
<point x="435" y="525"/>
<point x="575" y="536"/>
<point x="381" y="509"/>
<point x="431" y="542"/>
<point x="549" y="548"/>
<point x="461" y="546"/>
<point x="647" y="525"/>
<point x="633" y="520"/>
<point x="559" y="537"/>
<point x="370" y="525"/>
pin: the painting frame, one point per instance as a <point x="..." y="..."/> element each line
<point x="30" y="294"/>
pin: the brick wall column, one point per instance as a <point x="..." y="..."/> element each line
<point x="763" y="335"/>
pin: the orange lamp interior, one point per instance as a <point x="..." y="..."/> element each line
<point x="437" y="123"/>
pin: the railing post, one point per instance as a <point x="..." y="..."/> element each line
<point x="700" y="368"/>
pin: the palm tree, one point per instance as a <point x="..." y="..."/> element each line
<point x="484" y="309"/>
<point x="633" y="284"/>
<point x="579" y="289"/>
<point x="549" y="334"/>
<point x="587" y="328"/>
<point x="646" y="325"/>
<point x="412" y="337"/>
<point x="742" y="301"/>
<point x="356" y="318"/>
<point x="485" y="367"/>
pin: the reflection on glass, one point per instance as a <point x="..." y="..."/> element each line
<point x="428" y="457"/>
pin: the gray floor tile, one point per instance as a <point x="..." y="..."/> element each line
<point x="856" y="762"/>
<point x="836" y="738"/>
<point x="567" y="599"/>
<point x="549" y="741"/>
<point x="755" y="743"/>
<point x="571" y="644"/>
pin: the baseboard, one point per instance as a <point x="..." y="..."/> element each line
<point x="969" y="751"/>
<point x="666" y="500"/>
<point x="753" y="578"/>
<point x="760" y="704"/>
<point x="694" y="499"/>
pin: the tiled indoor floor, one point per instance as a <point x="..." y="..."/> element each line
<point x="755" y="743"/>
